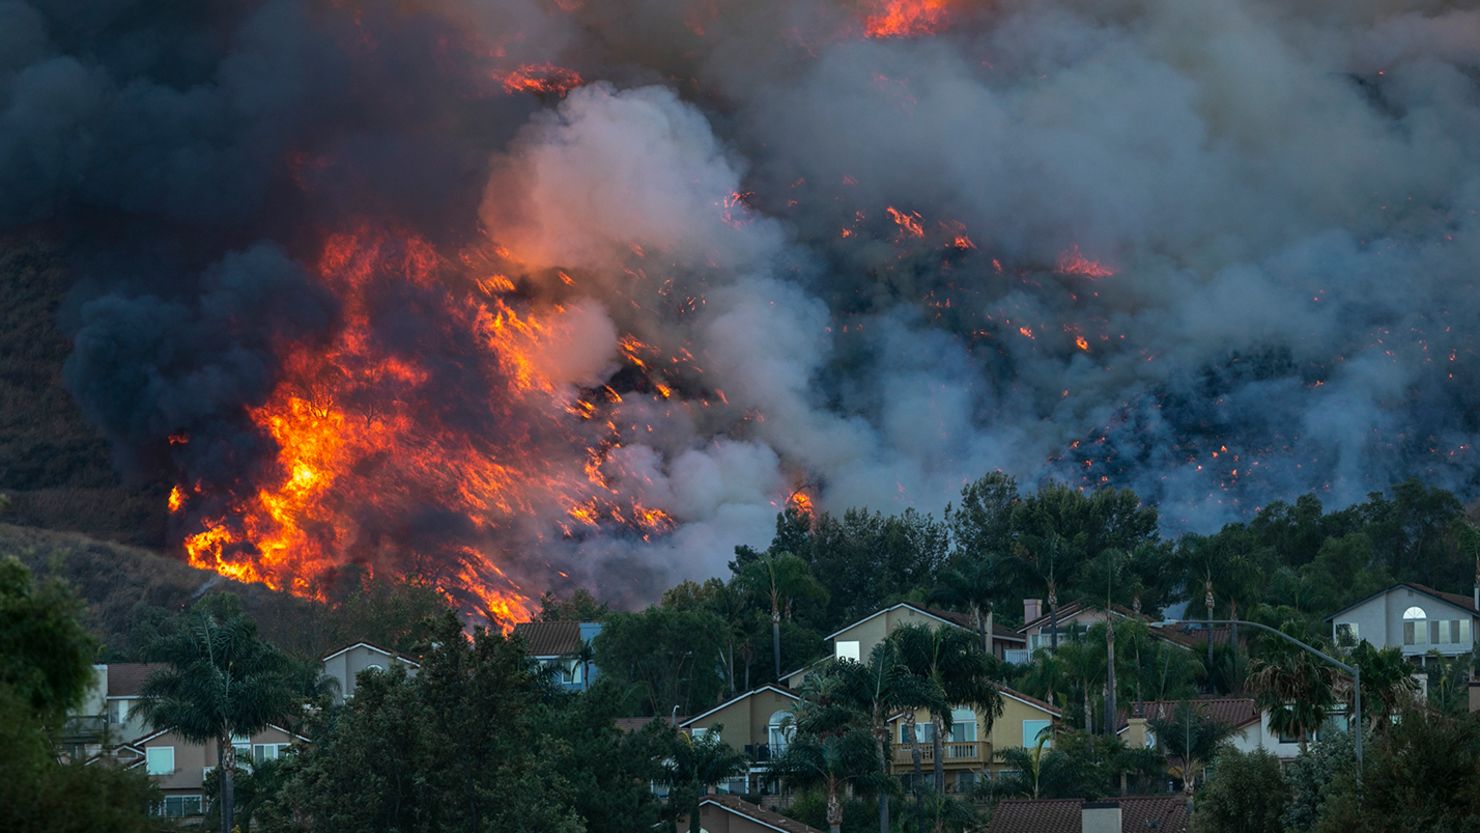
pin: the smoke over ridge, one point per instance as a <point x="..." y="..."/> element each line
<point x="513" y="293"/>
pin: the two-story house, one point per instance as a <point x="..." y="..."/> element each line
<point x="1414" y="618"/>
<point x="345" y="665"/>
<point x="180" y="767"/>
<point x="759" y="724"/>
<point x="558" y="646"/>
<point x="1250" y="724"/>
<point x="970" y="748"/>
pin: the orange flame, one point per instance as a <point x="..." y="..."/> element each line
<point x="1071" y="262"/>
<point x="541" y="79"/>
<point x="907" y="18"/>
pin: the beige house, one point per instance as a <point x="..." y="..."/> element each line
<point x="971" y="750"/>
<point x="858" y="639"/>
<point x="179" y="767"/>
<point x="728" y="814"/>
<point x="757" y="723"/>
<point x="345" y="664"/>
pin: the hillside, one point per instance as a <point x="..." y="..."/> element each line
<point x="56" y="470"/>
<point x="126" y="587"/>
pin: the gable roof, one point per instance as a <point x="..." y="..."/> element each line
<point x="948" y="617"/>
<point x="550" y="639"/>
<point x="1162" y="814"/>
<point x="1463" y="602"/>
<point x="733" y="700"/>
<point x="1075" y="608"/>
<point x="395" y="654"/>
<point x="756" y="813"/>
<point x="136" y="745"/>
<point x="1236" y="712"/>
<point x="126" y="679"/>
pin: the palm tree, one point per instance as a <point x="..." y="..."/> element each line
<point x="834" y="761"/>
<point x="972" y="584"/>
<point x="1294" y="686"/>
<point x="1085" y="664"/>
<point x="695" y="764"/>
<point x="958" y="673"/>
<point x="780" y="579"/>
<point x="221" y="681"/>
<point x="1387" y="684"/>
<point x="1189" y="740"/>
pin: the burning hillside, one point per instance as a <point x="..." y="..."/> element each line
<point x="512" y="294"/>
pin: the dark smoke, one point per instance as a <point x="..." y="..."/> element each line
<point x="1289" y="196"/>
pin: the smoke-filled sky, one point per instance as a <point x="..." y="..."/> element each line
<point x="1218" y="252"/>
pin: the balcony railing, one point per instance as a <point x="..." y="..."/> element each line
<point x="972" y="752"/>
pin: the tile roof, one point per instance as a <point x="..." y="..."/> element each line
<point x="756" y="813"/>
<point x="126" y="679"/>
<point x="550" y="639"/>
<point x="1140" y="814"/>
<point x="634" y="724"/>
<point x="1193" y="634"/>
<point x="1232" y="711"/>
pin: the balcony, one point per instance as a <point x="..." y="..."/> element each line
<point x="956" y="752"/>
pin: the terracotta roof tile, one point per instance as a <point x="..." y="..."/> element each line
<point x="1232" y="711"/>
<point x="550" y="639"/>
<point x="1163" y="814"/>
<point x="758" y="813"/>
<point x="126" y="679"/>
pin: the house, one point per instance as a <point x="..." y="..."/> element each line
<point x="970" y="752"/>
<point x="179" y="767"/>
<point x="558" y="646"/>
<point x="345" y="664"/>
<point x="85" y="731"/>
<point x="1129" y="814"/>
<point x="728" y="814"/>
<point x="756" y="722"/>
<point x="858" y="639"/>
<point x="1076" y="618"/>
<point x="1411" y="617"/>
<point x="1250" y="724"/>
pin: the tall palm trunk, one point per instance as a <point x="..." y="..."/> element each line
<point x="776" y="639"/>
<point x="881" y="744"/>
<point x="990" y="632"/>
<point x="1053" y="615"/>
<point x="1110" y="716"/>
<point x="1208" y="602"/>
<point x="938" y="743"/>
<point x="226" y="763"/>
<point x="834" y="807"/>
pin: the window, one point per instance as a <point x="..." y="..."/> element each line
<point x="846" y="650"/>
<point x="375" y="666"/>
<point x="159" y="760"/>
<point x="179" y="806"/>
<point x="924" y="733"/>
<point x="1437" y="633"/>
<point x="118" y="711"/>
<point x="1032" y="729"/>
<point x="1346" y="634"/>
<point x="1415" y="626"/>
<point x="699" y="732"/>
<point x="963" y="725"/>
<point x="1464" y="632"/>
<point x="779" y="731"/>
<point x="965" y="781"/>
<point x="267" y="751"/>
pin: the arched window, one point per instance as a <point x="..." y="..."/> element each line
<point x="780" y="731"/>
<point x="375" y="666"/>
<point x="1415" y="626"/>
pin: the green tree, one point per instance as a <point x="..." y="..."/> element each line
<point x="1388" y="686"/>
<point x="44" y="669"/>
<point x="579" y="606"/>
<point x="1246" y="794"/>
<point x="972" y="585"/>
<point x="1190" y="740"/>
<point x="959" y="673"/>
<point x="693" y="766"/>
<point x="670" y="657"/>
<point x="834" y="761"/>
<point x="1295" y="687"/>
<point x="220" y="681"/>
<point x="780" y="580"/>
<point x="1314" y="776"/>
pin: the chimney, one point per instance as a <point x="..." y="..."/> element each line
<point x="1100" y="817"/>
<point x="1032" y="609"/>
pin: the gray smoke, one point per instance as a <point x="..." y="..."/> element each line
<point x="1287" y="196"/>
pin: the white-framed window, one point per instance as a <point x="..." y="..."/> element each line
<point x="267" y="751"/>
<point x="1415" y="626"/>
<point x="179" y="806"/>
<point x="963" y="725"/>
<point x="159" y="760"/>
<point x="118" y="711"/>
<point x="375" y="666"/>
<point x="779" y="732"/>
<point x="699" y="732"/>
<point x="846" y="649"/>
<point x="1031" y="731"/>
<point x="1347" y="634"/>
<point x="924" y="732"/>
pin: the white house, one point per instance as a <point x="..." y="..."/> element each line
<point x="1412" y="617"/>
<point x="1251" y="730"/>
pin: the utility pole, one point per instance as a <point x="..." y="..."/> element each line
<point x="1355" y="672"/>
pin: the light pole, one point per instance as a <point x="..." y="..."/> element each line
<point x="1354" y="671"/>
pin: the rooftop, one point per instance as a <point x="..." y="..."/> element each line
<point x="1140" y="814"/>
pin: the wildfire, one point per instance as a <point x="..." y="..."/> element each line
<point x="907" y="18"/>
<point x="547" y="79"/>
<point x="802" y="502"/>
<point x="909" y="224"/>
<point x="1071" y="262"/>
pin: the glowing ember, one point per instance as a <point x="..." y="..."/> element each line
<point x="907" y="18"/>
<point x="1071" y="262"/>
<point x="176" y="499"/>
<point x="541" y="78"/>
<point x="909" y="224"/>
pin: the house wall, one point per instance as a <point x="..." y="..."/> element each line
<point x="131" y="726"/>
<point x="1380" y="621"/>
<point x="346" y="666"/>
<point x="1040" y="637"/>
<point x="747" y="721"/>
<point x="192" y="759"/>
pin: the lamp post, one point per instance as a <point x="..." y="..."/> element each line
<point x="1354" y="671"/>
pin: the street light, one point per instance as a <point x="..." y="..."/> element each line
<point x="1354" y="671"/>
